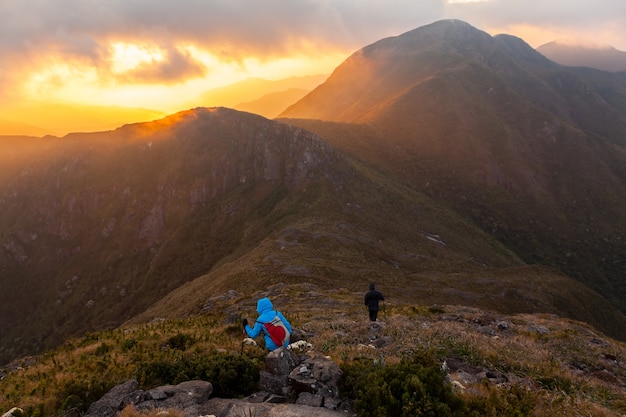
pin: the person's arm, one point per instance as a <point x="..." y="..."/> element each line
<point x="254" y="331"/>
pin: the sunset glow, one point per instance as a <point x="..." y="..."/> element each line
<point x="128" y="56"/>
<point x="162" y="58"/>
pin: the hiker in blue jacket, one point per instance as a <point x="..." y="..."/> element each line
<point x="267" y="314"/>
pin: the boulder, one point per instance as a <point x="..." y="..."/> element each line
<point x="317" y="375"/>
<point x="184" y="395"/>
<point x="117" y="398"/>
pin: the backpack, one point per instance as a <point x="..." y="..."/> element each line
<point x="277" y="331"/>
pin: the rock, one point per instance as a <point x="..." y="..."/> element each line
<point x="312" y="400"/>
<point x="317" y="375"/>
<point x="273" y="383"/>
<point x="184" y="395"/>
<point x="14" y="412"/>
<point x="179" y="396"/>
<point x="281" y="361"/>
<point x="238" y="408"/>
<point x="113" y="401"/>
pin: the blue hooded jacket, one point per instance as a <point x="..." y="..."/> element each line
<point x="266" y="314"/>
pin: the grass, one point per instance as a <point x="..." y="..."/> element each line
<point x="557" y="365"/>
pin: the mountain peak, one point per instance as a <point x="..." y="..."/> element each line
<point x="361" y="86"/>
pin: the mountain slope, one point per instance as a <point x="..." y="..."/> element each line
<point x="532" y="151"/>
<point x="113" y="221"/>
<point x="156" y="218"/>
<point x="243" y="95"/>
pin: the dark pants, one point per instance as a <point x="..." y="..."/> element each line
<point x="373" y="314"/>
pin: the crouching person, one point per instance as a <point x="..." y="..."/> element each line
<point x="275" y="327"/>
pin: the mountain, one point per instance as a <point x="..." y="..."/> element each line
<point x="258" y="95"/>
<point x="531" y="151"/>
<point x="605" y="58"/>
<point x="153" y="219"/>
<point x="9" y="127"/>
<point x="448" y="165"/>
<point x="61" y="119"/>
<point x="272" y="104"/>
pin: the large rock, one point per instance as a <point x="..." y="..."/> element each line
<point x="238" y="408"/>
<point x="182" y="396"/>
<point x="116" y="399"/>
<point x="316" y="375"/>
<point x="278" y="364"/>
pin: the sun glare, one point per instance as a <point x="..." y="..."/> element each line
<point x="80" y="83"/>
<point x="127" y="56"/>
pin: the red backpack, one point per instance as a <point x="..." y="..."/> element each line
<point x="277" y="331"/>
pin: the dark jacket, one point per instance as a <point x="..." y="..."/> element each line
<point x="372" y="298"/>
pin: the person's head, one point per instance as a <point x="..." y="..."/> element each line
<point x="372" y="286"/>
<point x="264" y="304"/>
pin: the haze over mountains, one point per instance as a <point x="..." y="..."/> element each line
<point x="449" y="165"/>
<point x="572" y="54"/>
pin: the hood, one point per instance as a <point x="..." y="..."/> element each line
<point x="264" y="304"/>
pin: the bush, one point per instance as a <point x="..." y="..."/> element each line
<point x="181" y="341"/>
<point x="411" y="388"/>
<point x="75" y="396"/>
<point x="231" y="375"/>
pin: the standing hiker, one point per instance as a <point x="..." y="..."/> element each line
<point x="272" y="323"/>
<point x="372" y="297"/>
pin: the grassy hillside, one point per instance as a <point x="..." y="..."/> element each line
<point x="531" y="364"/>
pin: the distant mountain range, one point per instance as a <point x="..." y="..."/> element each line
<point x="40" y="119"/>
<point x="256" y="95"/>
<point x="455" y="167"/>
<point x="572" y="54"/>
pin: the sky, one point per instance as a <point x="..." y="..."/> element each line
<point x="158" y="53"/>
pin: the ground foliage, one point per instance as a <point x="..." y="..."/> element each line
<point x="554" y="366"/>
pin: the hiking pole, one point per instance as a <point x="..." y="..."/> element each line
<point x="243" y="334"/>
<point x="243" y="337"/>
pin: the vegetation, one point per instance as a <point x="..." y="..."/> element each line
<point x="548" y="366"/>
<point x="411" y="388"/>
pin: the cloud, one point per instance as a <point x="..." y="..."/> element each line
<point x="175" y="66"/>
<point x="588" y="19"/>
<point x="37" y="34"/>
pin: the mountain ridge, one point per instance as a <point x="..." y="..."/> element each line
<point x="241" y="201"/>
<point x="211" y="197"/>
<point x="492" y="127"/>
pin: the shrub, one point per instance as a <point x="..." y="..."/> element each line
<point x="74" y="396"/>
<point x="231" y="375"/>
<point x="180" y="341"/>
<point x="414" y="387"/>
